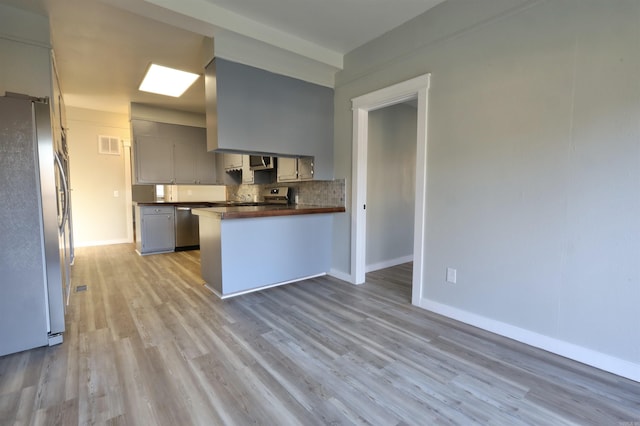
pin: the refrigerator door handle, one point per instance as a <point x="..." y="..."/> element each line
<point x="65" y="191"/>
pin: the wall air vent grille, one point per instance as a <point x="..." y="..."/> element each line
<point x="109" y="145"/>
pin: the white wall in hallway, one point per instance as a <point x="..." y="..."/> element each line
<point x="98" y="181"/>
<point x="391" y="183"/>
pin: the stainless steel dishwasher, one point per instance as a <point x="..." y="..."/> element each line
<point x="187" y="229"/>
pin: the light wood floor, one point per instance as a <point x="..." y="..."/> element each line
<point x="147" y="344"/>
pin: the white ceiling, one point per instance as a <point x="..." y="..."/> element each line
<point x="339" y="25"/>
<point x="103" y="47"/>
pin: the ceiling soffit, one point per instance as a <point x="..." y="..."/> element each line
<point x="230" y="21"/>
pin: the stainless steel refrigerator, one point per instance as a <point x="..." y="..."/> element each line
<point x="36" y="252"/>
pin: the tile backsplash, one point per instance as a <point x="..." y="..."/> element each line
<point x="320" y="192"/>
<point x="313" y="192"/>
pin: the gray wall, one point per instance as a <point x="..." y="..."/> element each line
<point x="391" y="184"/>
<point x="533" y="161"/>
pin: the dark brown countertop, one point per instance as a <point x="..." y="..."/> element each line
<point x="198" y="203"/>
<point x="244" y="212"/>
<point x="180" y="203"/>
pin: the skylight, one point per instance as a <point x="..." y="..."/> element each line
<point x="167" y="81"/>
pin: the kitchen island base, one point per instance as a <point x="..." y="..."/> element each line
<point x="240" y="293"/>
<point x="238" y="256"/>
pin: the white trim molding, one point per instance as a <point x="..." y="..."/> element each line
<point x="103" y="242"/>
<point x="581" y="354"/>
<point x="389" y="263"/>
<point x="414" y="89"/>
<point x="339" y="275"/>
<point x="252" y="290"/>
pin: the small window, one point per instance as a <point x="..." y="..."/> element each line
<point x="160" y="192"/>
<point x="109" y="145"/>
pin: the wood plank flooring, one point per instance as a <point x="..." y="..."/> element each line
<point x="147" y="344"/>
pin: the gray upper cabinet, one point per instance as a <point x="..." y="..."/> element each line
<point x="238" y="170"/>
<point x="171" y="154"/>
<point x="153" y="159"/>
<point x="295" y="169"/>
<point x="248" y="175"/>
<point x="305" y="168"/>
<point x="206" y="166"/>
<point x="253" y="110"/>
<point x="192" y="163"/>
<point x="255" y="176"/>
<point x="287" y="169"/>
<point x="185" y="158"/>
<point x="233" y="161"/>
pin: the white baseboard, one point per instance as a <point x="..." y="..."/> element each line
<point x="388" y="263"/>
<point x="240" y="293"/>
<point x="340" y="275"/>
<point x="102" y="243"/>
<point x="581" y="354"/>
<point x="370" y="268"/>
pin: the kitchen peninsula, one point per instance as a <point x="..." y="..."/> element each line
<point x="249" y="248"/>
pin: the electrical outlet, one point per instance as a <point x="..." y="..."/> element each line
<point x="451" y="275"/>
<point x="116" y="194"/>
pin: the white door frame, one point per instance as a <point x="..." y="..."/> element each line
<point x="416" y="88"/>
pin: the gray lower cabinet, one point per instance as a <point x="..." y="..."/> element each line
<point x="155" y="229"/>
<point x="274" y="247"/>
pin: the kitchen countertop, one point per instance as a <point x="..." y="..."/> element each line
<point x="244" y="212"/>
<point x="200" y="203"/>
<point x="180" y="203"/>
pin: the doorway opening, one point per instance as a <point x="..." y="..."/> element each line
<point x="391" y="179"/>
<point x="416" y="89"/>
